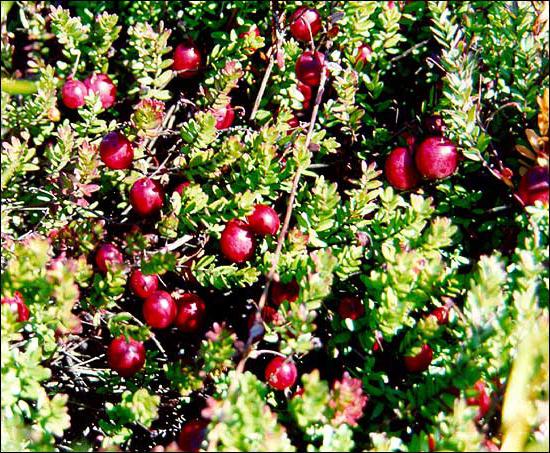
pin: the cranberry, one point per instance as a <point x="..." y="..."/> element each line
<point x="146" y="196"/>
<point x="436" y="158"/>
<point x="224" y="117"/>
<point x="421" y="361"/>
<point x="309" y="66"/>
<point x="350" y="307"/>
<point x="116" y="151"/>
<point x="293" y="122"/>
<point x="237" y="242"/>
<point x="143" y="285"/>
<point x="431" y="442"/>
<point x="281" y="373"/>
<point x="269" y="315"/>
<point x="400" y="170"/>
<point x="187" y="60"/>
<point x="363" y="53"/>
<point x="307" y="92"/>
<point x="107" y="254"/>
<point x="180" y="187"/>
<point x="534" y="186"/>
<point x="191" y="311"/>
<point x="126" y="357"/>
<point x="192" y="434"/>
<point x="481" y="399"/>
<point x="434" y="125"/>
<point x="17" y="305"/>
<point x="264" y="220"/>
<point x="305" y="23"/>
<point x="102" y="85"/>
<point x="159" y="310"/>
<point x="284" y="291"/>
<point x="441" y="314"/>
<point x="73" y="93"/>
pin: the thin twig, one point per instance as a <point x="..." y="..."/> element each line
<point x="408" y="51"/>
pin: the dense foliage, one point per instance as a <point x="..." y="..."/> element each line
<point x="275" y="226"/>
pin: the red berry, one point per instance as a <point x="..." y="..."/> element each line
<point x="146" y="196"/>
<point x="309" y="66"/>
<point x="17" y="305"/>
<point x="400" y="170"/>
<point x="481" y="399"/>
<point x="434" y="125"/>
<point x="159" y="310"/>
<point x="116" y="151"/>
<point x="107" y="254"/>
<point x="307" y="92"/>
<point x="102" y="85"/>
<point x="264" y="220"/>
<point x="363" y="53"/>
<point x="421" y="361"/>
<point x="192" y="434"/>
<point x="431" y="442"/>
<point x="284" y="291"/>
<point x="126" y="357"/>
<point x="143" y="285"/>
<point x="237" y="242"/>
<point x="73" y="93"/>
<point x="281" y="373"/>
<point x="224" y="117"/>
<point x="436" y="158"/>
<point x="442" y="315"/>
<point x="293" y="122"/>
<point x="269" y="315"/>
<point x="191" y="312"/>
<point x="350" y="307"/>
<point x="187" y="60"/>
<point x="180" y="187"/>
<point x="305" y="23"/>
<point x="535" y="186"/>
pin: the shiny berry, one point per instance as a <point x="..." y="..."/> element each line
<point x="421" y="361"/>
<point x="73" y="93"/>
<point x="481" y="398"/>
<point x="441" y="314"/>
<point x="364" y="53"/>
<point x="103" y="86"/>
<point x="350" y="307"/>
<point x="237" y="242"/>
<point x="17" y="305"/>
<point x="400" y="169"/>
<point x="224" y="117"/>
<point x="143" y="285"/>
<point x="116" y="151"/>
<point x="309" y="66"/>
<point x="107" y="255"/>
<point x="191" y="312"/>
<point x="307" y="92"/>
<point x="305" y="23"/>
<point x="179" y="189"/>
<point x="281" y="373"/>
<point x="436" y="158"/>
<point x="159" y="310"/>
<point x="264" y="220"/>
<point x="187" y="60"/>
<point x="146" y="196"/>
<point x="192" y="435"/>
<point x="284" y="291"/>
<point x="126" y="357"/>
<point x="535" y="186"/>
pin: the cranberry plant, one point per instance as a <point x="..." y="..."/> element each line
<point x="275" y="226"/>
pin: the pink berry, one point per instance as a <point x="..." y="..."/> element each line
<point x="535" y="186"/>
<point x="191" y="312"/>
<point x="187" y="60"/>
<point x="107" y="255"/>
<point x="102" y="85"/>
<point x="126" y="357"/>
<point x="17" y="305"/>
<point x="350" y="307"/>
<point x="309" y="67"/>
<point x="73" y="93"/>
<point x="116" y="151"/>
<point x="305" y="24"/>
<point x="264" y="220"/>
<point x="421" y="361"/>
<point x="159" y="310"/>
<point x="192" y="435"/>
<point x="179" y="189"/>
<point x="224" y="117"/>
<point x="436" y="158"/>
<point x="281" y="373"/>
<point x="363" y="53"/>
<point x="441" y="314"/>
<point x="143" y="285"/>
<point x="400" y="170"/>
<point x="237" y="242"/>
<point x="284" y="291"/>
<point x="146" y="196"/>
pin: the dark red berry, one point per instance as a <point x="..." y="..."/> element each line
<point x="73" y="93"/>
<point x="307" y="92"/>
<point x="103" y="86"/>
<point x="269" y="315"/>
<point x="284" y="291"/>
<point x="305" y="23"/>
<point x="293" y="123"/>
<point x="481" y="398"/>
<point x="363" y="53"/>
<point x="126" y="357"/>
<point x="187" y="60"/>
<point x="436" y="158"/>
<point x="143" y="285"/>
<point x="191" y="312"/>
<point x="237" y="242"/>
<point x="431" y="442"/>
<point x="116" y="151"/>
<point x="159" y="310"/>
<point x="309" y="66"/>
<point x="400" y="170"/>
<point x="17" y="305"/>
<point x="434" y="125"/>
<point x="224" y="117"/>
<point x="535" y="186"/>
<point x="179" y="189"/>
<point x="421" y="361"/>
<point x="107" y="255"/>
<point x="281" y="373"/>
<point x="350" y="307"/>
<point x="146" y="196"/>
<point x="192" y="434"/>
<point x="441" y="314"/>
<point x="264" y="220"/>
